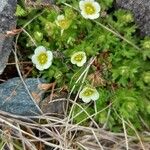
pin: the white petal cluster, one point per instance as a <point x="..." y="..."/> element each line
<point x="89" y="93"/>
<point x="78" y="58"/>
<point x="62" y="22"/>
<point x="89" y="9"/>
<point x="42" y="58"/>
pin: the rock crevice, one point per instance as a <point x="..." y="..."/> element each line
<point x="141" y="11"/>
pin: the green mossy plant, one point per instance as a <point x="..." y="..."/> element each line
<point x="121" y="71"/>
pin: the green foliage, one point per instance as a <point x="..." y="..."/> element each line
<point x="127" y="101"/>
<point x="145" y="44"/>
<point x="121" y="72"/>
<point x="82" y="113"/>
<point x="20" y="12"/>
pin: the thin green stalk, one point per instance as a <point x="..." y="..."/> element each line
<point x="106" y="28"/>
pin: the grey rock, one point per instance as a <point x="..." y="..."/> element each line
<point x="15" y="99"/>
<point x="7" y="23"/>
<point x="141" y="11"/>
<point x="3" y="4"/>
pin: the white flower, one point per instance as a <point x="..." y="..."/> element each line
<point x="78" y="58"/>
<point x="89" y="93"/>
<point x="62" y="22"/>
<point x="42" y="58"/>
<point x="89" y="9"/>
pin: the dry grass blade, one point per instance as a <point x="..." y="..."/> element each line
<point x="125" y="134"/>
<point x="22" y="138"/>
<point x="17" y="60"/>
<point x="100" y="146"/>
<point x="52" y="134"/>
<point x="133" y="128"/>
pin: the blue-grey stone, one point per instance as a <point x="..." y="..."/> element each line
<point x="15" y="99"/>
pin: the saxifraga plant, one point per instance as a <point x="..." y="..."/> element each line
<point x="120" y="72"/>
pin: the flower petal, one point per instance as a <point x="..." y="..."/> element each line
<point x="81" y="93"/>
<point x="60" y="17"/>
<point x="86" y="99"/>
<point x="48" y="60"/>
<point x="79" y="62"/>
<point x="34" y="59"/>
<point x="89" y="1"/>
<point x="95" y="16"/>
<point x="39" y="67"/>
<point x="50" y="55"/>
<point x="95" y="96"/>
<point x="86" y="16"/>
<point x="47" y="65"/>
<point x="81" y="4"/>
<point x="89" y="93"/>
<point x="72" y="60"/>
<point x="39" y="50"/>
<point x="97" y="7"/>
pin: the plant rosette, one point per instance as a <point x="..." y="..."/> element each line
<point x="89" y="93"/>
<point x="146" y="77"/>
<point x="89" y="9"/>
<point x="78" y="58"/>
<point x="146" y="44"/>
<point x="42" y="58"/>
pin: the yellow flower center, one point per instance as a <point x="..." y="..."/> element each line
<point x="89" y="9"/>
<point x="42" y="58"/>
<point x="88" y="92"/>
<point x="78" y="57"/>
<point x="64" y="24"/>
